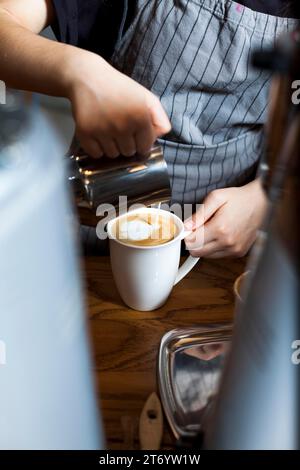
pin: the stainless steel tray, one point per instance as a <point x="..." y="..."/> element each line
<point x="190" y="365"/>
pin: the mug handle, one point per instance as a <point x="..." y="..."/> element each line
<point x="187" y="265"/>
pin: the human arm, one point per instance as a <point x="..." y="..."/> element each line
<point x="113" y="114"/>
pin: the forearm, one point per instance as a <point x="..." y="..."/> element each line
<point x="31" y="62"/>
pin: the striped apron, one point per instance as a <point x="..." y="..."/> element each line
<point x="195" y="55"/>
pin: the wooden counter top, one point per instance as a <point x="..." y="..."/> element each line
<point x="126" y="342"/>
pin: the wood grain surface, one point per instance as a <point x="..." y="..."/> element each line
<point x="125" y="342"/>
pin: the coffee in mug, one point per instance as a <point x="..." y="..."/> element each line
<point x="145" y="229"/>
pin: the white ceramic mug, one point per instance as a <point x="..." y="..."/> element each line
<point x="145" y="275"/>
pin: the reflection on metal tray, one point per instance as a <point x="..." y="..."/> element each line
<point x="189" y="369"/>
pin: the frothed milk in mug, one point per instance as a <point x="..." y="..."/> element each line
<point x="145" y="229"/>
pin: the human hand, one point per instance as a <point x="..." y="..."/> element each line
<point x="227" y="222"/>
<point x="114" y="115"/>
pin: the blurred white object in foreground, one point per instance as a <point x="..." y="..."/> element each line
<point x="47" y="398"/>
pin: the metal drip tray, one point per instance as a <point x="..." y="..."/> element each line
<point x="189" y="369"/>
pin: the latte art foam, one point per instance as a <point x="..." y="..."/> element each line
<point x="145" y="229"/>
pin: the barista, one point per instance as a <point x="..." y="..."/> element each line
<point x="134" y="68"/>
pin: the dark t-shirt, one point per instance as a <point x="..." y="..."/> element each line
<point x="283" y="8"/>
<point x="95" y="24"/>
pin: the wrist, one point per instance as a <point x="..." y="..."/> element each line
<point x="260" y="198"/>
<point x="257" y="184"/>
<point x="79" y="65"/>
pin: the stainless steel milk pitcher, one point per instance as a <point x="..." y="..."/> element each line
<point x="143" y="179"/>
